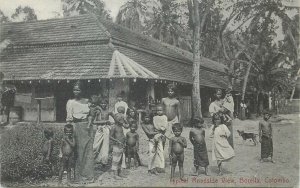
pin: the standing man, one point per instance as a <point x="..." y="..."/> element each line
<point x="171" y="108"/>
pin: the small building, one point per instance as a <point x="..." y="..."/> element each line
<point x="44" y="59"/>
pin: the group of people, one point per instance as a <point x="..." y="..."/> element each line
<point x="116" y="134"/>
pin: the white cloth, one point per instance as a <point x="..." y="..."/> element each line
<point x="121" y="103"/>
<point x="160" y="121"/>
<point x="157" y="159"/>
<point x="229" y="103"/>
<point x="101" y="144"/>
<point x="214" y="108"/>
<point x="76" y="109"/>
<point x="221" y="149"/>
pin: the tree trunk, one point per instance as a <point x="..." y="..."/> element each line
<point x="246" y="80"/>
<point x="196" y="62"/>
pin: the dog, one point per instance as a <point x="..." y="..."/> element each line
<point x="247" y="136"/>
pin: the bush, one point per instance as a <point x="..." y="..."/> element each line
<point x="21" y="153"/>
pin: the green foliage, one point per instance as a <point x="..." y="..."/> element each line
<point x="24" y="14"/>
<point x="3" y="18"/>
<point x="77" y="7"/>
<point x="21" y="153"/>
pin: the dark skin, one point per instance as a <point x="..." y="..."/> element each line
<point x="150" y="131"/>
<point x="265" y="129"/>
<point x="176" y="152"/>
<point x="197" y="136"/>
<point x="149" y="128"/>
<point x="47" y="150"/>
<point x="132" y="142"/>
<point x="117" y="134"/>
<point x="67" y="150"/>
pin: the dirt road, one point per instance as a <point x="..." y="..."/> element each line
<point x="244" y="170"/>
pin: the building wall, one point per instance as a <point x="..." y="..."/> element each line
<point x="25" y="98"/>
<point x="115" y="87"/>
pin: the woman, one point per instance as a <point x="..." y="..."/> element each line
<point x="77" y="112"/>
<point x="217" y="107"/>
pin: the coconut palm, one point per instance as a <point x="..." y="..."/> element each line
<point x="134" y="13"/>
<point x="165" y="24"/>
<point x="76" y="7"/>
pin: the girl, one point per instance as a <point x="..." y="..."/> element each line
<point x="221" y="149"/>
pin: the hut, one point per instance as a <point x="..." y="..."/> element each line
<point x="45" y="57"/>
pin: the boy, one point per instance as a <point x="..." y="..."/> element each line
<point x="48" y="149"/>
<point x="121" y="102"/>
<point x="197" y="138"/>
<point x="94" y="110"/>
<point x="101" y="140"/>
<point x="265" y="138"/>
<point x="160" y="122"/>
<point x="67" y="152"/>
<point x="132" y="143"/>
<point x="176" y="150"/>
<point x="119" y="140"/>
<point x="150" y="131"/>
<point x="171" y="108"/>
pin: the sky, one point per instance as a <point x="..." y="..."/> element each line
<point x="46" y="9"/>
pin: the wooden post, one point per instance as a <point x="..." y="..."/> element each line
<point x="39" y="102"/>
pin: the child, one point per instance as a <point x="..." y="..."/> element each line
<point x="48" y="149"/>
<point x="67" y="152"/>
<point x="101" y="139"/>
<point x="221" y="149"/>
<point x="265" y="138"/>
<point x="150" y="131"/>
<point x="132" y="143"/>
<point x="197" y="138"/>
<point x="160" y="122"/>
<point x="121" y="102"/>
<point x="94" y="110"/>
<point x="118" y="138"/>
<point x="176" y="150"/>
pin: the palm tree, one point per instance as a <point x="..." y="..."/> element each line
<point x="133" y="14"/>
<point x="76" y="7"/>
<point x="165" y="24"/>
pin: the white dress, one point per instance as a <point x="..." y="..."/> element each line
<point x="221" y="149"/>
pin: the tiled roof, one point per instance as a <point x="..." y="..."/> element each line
<point x="165" y="68"/>
<point x="79" y="28"/>
<point x="65" y="62"/>
<point x="122" y="66"/>
<point x="78" y="48"/>
<point x="126" y="35"/>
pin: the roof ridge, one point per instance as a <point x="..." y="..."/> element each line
<point x="186" y="54"/>
<point x="87" y="15"/>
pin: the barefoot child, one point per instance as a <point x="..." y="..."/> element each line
<point x="101" y="140"/>
<point x="48" y="149"/>
<point x="197" y="138"/>
<point x="160" y="122"/>
<point x="132" y="117"/>
<point x="67" y="152"/>
<point x="150" y="131"/>
<point x="265" y="138"/>
<point x="132" y="143"/>
<point x="118" y="142"/>
<point x="221" y="149"/>
<point x="176" y="150"/>
<point x="95" y="110"/>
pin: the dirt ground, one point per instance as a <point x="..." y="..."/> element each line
<point x="245" y="170"/>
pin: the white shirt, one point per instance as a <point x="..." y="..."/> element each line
<point x="121" y="103"/>
<point x="160" y="121"/>
<point x="76" y="109"/>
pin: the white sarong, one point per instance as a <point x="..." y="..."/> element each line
<point x="101" y="145"/>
